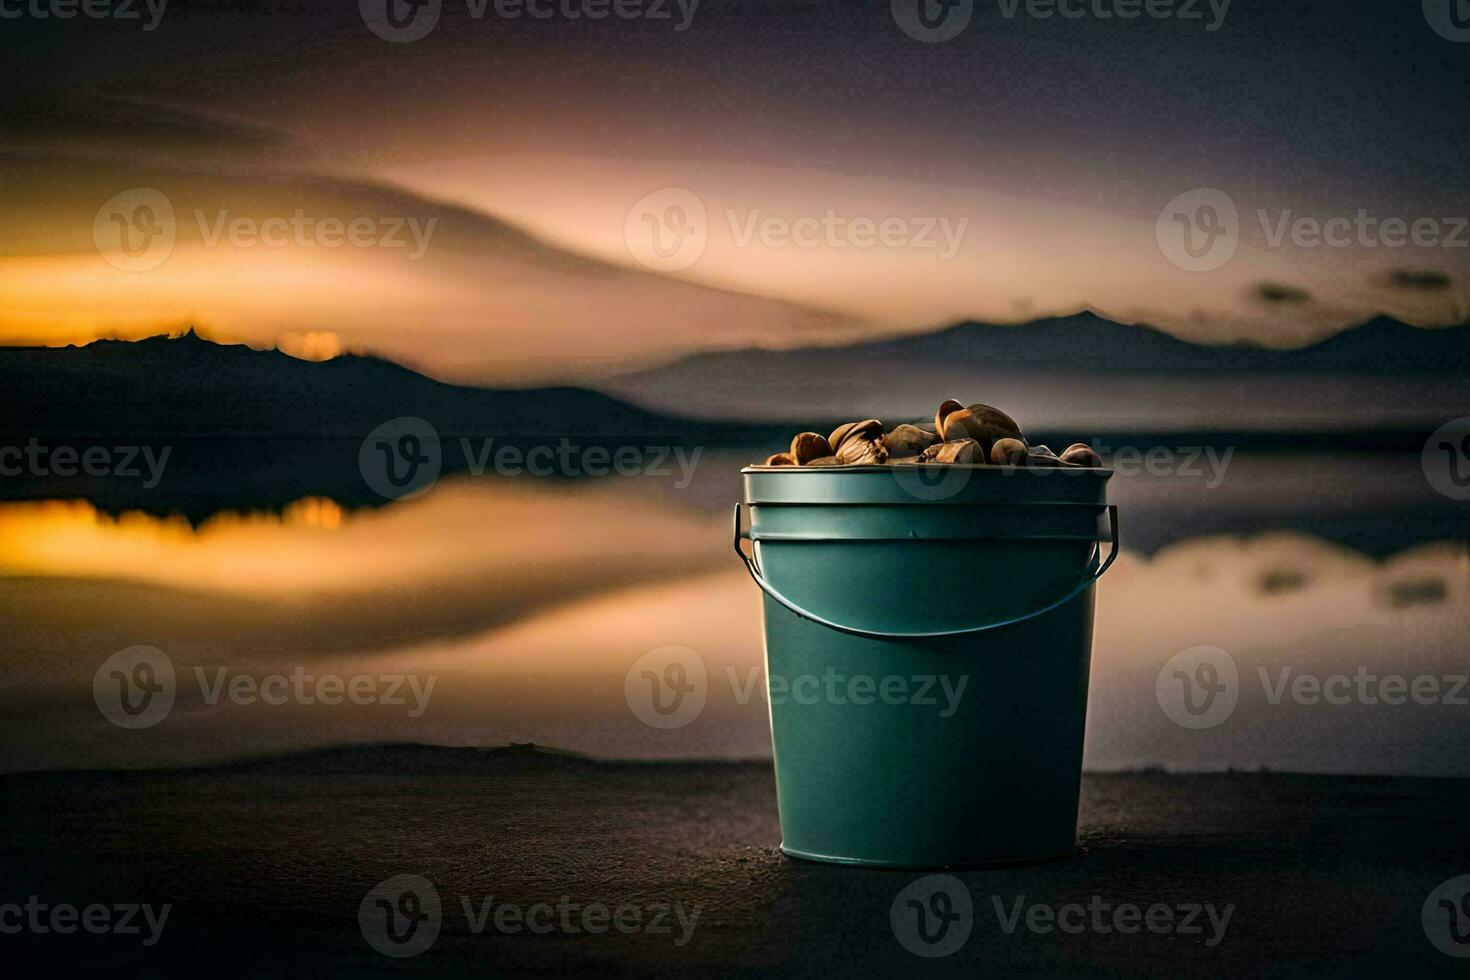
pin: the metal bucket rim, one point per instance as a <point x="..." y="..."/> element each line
<point x="1008" y="471"/>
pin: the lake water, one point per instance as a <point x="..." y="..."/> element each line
<point x="512" y="608"/>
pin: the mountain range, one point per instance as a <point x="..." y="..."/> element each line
<point x="1076" y="367"/>
<point x="1083" y="369"/>
<point x="190" y="386"/>
<point x="1087" y="343"/>
<point x="250" y="429"/>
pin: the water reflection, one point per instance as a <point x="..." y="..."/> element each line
<point x="529" y="600"/>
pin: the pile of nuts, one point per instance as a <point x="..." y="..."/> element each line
<point x="958" y="434"/>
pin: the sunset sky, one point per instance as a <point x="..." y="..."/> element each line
<point x="1021" y="168"/>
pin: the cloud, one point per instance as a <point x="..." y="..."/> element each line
<point x="310" y="345"/>
<point x="1417" y="280"/>
<point x="1280" y="294"/>
<point x="134" y="128"/>
<point x="443" y="289"/>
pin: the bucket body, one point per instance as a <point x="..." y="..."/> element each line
<point x="959" y="747"/>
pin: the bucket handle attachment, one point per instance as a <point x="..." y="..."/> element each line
<point x="753" y="566"/>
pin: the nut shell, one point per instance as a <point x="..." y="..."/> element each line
<point x="808" y="446"/>
<point x="866" y="429"/>
<point x="1081" y="454"/>
<point x="862" y="452"/>
<point x="959" y="451"/>
<point x="982" y="423"/>
<point x="1008" y="452"/>
<point x="946" y="407"/>
<point x="908" y="440"/>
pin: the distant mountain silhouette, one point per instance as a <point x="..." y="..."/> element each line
<point x="189" y="386"/>
<point x="258" y="429"/>
<point x="1087" y="343"/>
<point x="1085" y="374"/>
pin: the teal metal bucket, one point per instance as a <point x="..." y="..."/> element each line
<point x="928" y="643"/>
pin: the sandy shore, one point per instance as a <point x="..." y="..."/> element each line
<point x="544" y="863"/>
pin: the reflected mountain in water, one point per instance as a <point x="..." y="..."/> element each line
<point x="249" y="429"/>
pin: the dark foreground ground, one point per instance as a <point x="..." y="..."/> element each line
<point x="266" y="866"/>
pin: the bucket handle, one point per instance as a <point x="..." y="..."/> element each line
<point x="752" y="566"/>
